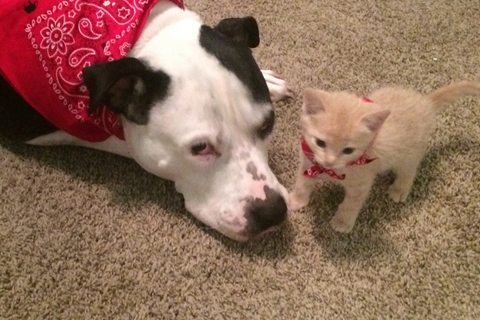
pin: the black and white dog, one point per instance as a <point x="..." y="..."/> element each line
<point x="195" y="109"/>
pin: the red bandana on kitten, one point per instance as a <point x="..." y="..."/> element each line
<point x="392" y="126"/>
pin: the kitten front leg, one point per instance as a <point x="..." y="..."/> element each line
<point x="300" y="196"/>
<point x="347" y="212"/>
<point x="302" y="191"/>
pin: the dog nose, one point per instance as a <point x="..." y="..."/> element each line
<point x="264" y="214"/>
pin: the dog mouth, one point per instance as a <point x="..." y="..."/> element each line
<point x="248" y="236"/>
<point x="239" y="237"/>
<point x="249" y="220"/>
<point x="267" y="232"/>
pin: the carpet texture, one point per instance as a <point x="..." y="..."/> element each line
<point x="89" y="235"/>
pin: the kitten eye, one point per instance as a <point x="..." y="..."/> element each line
<point x="320" y="143"/>
<point x="348" y="150"/>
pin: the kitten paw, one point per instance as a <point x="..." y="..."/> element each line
<point x="296" y="203"/>
<point x="339" y="224"/>
<point x="397" y="194"/>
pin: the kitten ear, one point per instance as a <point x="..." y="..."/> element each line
<point x="313" y="101"/>
<point x="374" y="121"/>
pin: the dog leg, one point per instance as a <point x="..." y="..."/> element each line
<point x="278" y="87"/>
<point x="57" y="138"/>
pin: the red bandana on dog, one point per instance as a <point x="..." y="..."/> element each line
<point x="47" y="43"/>
<point x="317" y="169"/>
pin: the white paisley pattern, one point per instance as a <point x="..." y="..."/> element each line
<point x="46" y="44"/>
<point x="81" y="30"/>
<point x="56" y="36"/>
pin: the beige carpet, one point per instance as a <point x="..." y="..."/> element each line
<point x="88" y="235"/>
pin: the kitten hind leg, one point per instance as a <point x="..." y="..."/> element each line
<point x="405" y="175"/>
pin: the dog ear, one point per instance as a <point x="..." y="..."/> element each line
<point x="242" y="30"/>
<point x="126" y="86"/>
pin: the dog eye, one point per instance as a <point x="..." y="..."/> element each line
<point x="267" y="126"/>
<point x="202" y="149"/>
<point x="320" y="143"/>
<point x="348" y="150"/>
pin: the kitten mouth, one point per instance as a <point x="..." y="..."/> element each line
<point x="331" y="167"/>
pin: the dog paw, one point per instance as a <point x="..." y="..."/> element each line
<point x="277" y="86"/>
<point x="397" y="194"/>
<point x="296" y="203"/>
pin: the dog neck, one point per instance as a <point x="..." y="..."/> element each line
<point x="161" y="16"/>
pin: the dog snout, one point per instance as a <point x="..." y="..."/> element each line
<point x="265" y="214"/>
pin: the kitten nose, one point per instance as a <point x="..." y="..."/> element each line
<point x="329" y="161"/>
<point x="328" y="164"/>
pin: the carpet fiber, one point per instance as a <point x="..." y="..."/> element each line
<point x="89" y="235"/>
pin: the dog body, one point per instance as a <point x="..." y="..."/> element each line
<point x="195" y="108"/>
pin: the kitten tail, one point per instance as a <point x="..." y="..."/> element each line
<point x="453" y="91"/>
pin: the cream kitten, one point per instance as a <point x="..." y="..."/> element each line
<point x="350" y="140"/>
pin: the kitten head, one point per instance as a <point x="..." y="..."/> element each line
<point x="339" y="126"/>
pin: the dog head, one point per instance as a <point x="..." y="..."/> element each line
<point x="196" y="110"/>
